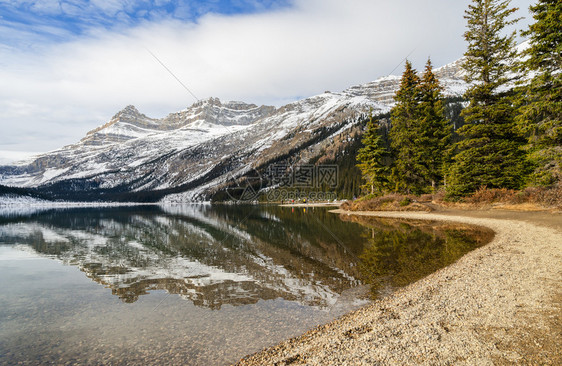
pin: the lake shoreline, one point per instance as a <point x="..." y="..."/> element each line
<point x="501" y="303"/>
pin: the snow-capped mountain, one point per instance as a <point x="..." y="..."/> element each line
<point x="190" y="154"/>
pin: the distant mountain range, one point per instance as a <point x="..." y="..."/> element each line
<point x="196" y="153"/>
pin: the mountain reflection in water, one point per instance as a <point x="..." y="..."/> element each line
<point x="252" y="276"/>
<point x="216" y="255"/>
<point x="209" y="255"/>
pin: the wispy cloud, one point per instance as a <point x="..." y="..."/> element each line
<point x="269" y="55"/>
<point x="9" y="157"/>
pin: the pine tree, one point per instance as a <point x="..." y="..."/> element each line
<point x="371" y="159"/>
<point x="420" y="132"/>
<point x="490" y="153"/>
<point x="434" y="128"/>
<point x="540" y="116"/>
<point x="408" y="170"/>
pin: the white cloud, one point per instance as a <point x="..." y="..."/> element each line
<point x="63" y="90"/>
<point x="9" y="157"/>
<point x="44" y="7"/>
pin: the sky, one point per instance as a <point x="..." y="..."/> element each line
<point x="68" y="66"/>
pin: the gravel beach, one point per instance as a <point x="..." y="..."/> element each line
<point x="499" y="304"/>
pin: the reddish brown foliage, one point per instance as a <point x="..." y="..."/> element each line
<point x="540" y="198"/>
<point x="546" y="197"/>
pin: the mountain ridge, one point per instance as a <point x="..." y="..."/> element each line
<point x="195" y="151"/>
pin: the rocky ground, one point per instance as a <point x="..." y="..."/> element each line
<point x="499" y="304"/>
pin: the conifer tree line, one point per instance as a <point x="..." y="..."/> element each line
<point x="512" y="136"/>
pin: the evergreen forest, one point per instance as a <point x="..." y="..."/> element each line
<point x="510" y="134"/>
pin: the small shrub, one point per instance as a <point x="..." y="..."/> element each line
<point x="546" y="197"/>
<point x="440" y="196"/>
<point x="491" y="195"/>
<point x="426" y="197"/>
<point x="346" y="205"/>
<point x="405" y="201"/>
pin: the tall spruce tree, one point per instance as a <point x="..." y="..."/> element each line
<point x="420" y="132"/>
<point x="408" y="171"/>
<point x="434" y="128"/>
<point x="540" y="115"/>
<point x="371" y="158"/>
<point x="490" y="153"/>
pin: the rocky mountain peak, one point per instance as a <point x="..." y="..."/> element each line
<point x="207" y="102"/>
<point x="129" y="114"/>
<point x="214" y="111"/>
<point x="124" y="125"/>
<point x="215" y="103"/>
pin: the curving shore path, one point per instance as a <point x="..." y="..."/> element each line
<point x="499" y="304"/>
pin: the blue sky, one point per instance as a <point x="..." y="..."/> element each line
<point x="66" y="67"/>
<point x="60" y="21"/>
<point x="47" y="21"/>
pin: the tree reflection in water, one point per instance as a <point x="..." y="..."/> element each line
<point x="397" y="252"/>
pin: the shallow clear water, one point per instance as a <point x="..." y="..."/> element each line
<point x="197" y="284"/>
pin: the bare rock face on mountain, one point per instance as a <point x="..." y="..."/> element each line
<point x="127" y="124"/>
<point x="213" y="111"/>
<point x="191" y="153"/>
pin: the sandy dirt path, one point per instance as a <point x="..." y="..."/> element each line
<point x="499" y="304"/>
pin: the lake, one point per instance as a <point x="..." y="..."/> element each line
<point x="197" y="284"/>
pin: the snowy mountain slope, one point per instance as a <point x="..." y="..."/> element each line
<point x="130" y="123"/>
<point x="125" y="125"/>
<point x="194" y="151"/>
<point x="131" y="140"/>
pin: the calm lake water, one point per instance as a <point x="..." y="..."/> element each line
<point x="197" y="284"/>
